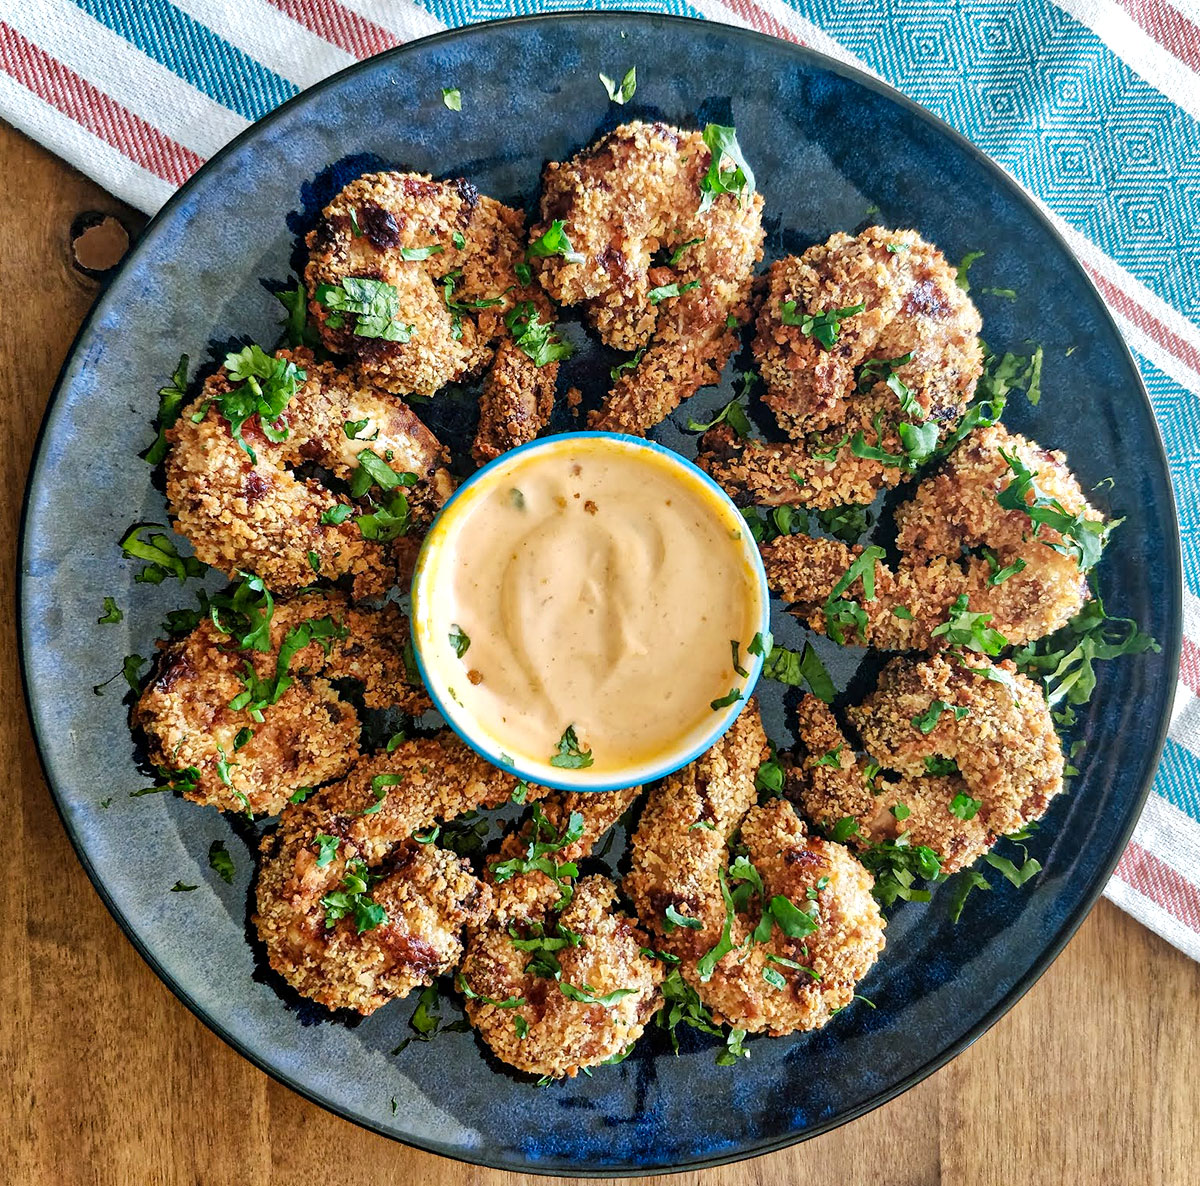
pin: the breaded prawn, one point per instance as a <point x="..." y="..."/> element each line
<point x="445" y="263"/>
<point x="912" y="307"/>
<point x="353" y="909"/>
<point x="956" y="540"/>
<point x="965" y="748"/>
<point x="623" y="200"/>
<point x="257" y="515"/>
<point x="555" y="981"/>
<point x="798" y="981"/>
<point x="309" y="736"/>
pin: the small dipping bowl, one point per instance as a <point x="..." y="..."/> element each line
<point x="489" y="506"/>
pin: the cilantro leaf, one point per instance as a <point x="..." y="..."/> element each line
<point x="452" y="97"/>
<point x="964" y="807"/>
<point x="553" y="241"/>
<point x="112" y="613"/>
<point x="733" y="414"/>
<point x="728" y="172"/>
<point x="220" y="862"/>
<point x="170" y="403"/>
<point x="825" y="326"/>
<point x="161" y="556"/>
<point x="569" y="755"/>
<point x="459" y="640"/>
<point x="373" y="305"/>
<point x="262" y="387"/>
<point x="966" y="629"/>
<point x="797" y="668"/>
<point x="927" y="721"/>
<point x="534" y="336"/>
<point x="624" y="92"/>
<point x="657" y="295"/>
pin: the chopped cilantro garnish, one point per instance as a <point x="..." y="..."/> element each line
<point x="896" y="864"/>
<point x="170" y="404"/>
<point x="630" y="364"/>
<point x="335" y="516"/>
<point x="733" y="414"/>
<point x="732" y="697"/>
<point x="554" y="241"/>
<point x="1063" y="660"/>
<point x="875" y="370"/>
<point x="1018" y="876"/>
<point x="452" y="97"/>
<point x="926" y="721"/>
<point x="966" y="629"/>
<point x="675" y="919"/>
<point x="840" y="612"/>
<point x="459" y="640"/>
<point x="671" y="290"/>
<point x="327" y="847"/>
<point x="534" y="336"/>
<point x="621" y="94"/>
<point x="964" y="267"/>
<point x="825" y="326"/>
<point x="706" y="965"/>
<point x="961" y="886"/>
<point x="353" y="898"/>
<point x="569" y="755"/>
<point x="588" y="996"/>
<point x="180" y="888"/>
<point x="1082" y="538"/>
<point x="220" y="862"/>
<point x="964" y="807"/>
<point x="419" y="253"/>
<point x="1000" y="575"/>
<point x="374" y="306"/>
<point x="677" y="255"/>
<point x="112" y="613"/>
<point x="263" y="385"/>
<point x="544" y="841"/>
<point x="728" y="172"/>
<point x="792" y="921"/>
<point x="161" y="556"/>
<point x="259" y="693"/>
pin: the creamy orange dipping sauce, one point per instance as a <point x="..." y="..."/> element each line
<point x="594" y="585"/>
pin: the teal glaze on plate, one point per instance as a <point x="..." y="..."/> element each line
<point x="832" y="150"/>
<point x="458" y="717"/>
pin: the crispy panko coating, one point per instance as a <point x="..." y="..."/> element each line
<point x="258" y="516"/>
<point x="951" y="512"/>
<point x="529" y="1020"/>
<point x="631" y="195"/>
<point x="516" y="402"/>
<point x="554" y="1030"/>
<point x="913" y="306"/>
<point x="428" y="895"/>
<point x="821" y="879"/>
<point x="682" y="836"/>
<point x="1009" y="757"/>
<point x="309" y="736"/>
<point x="770" y="473"/>
<point x="396" y="212"/>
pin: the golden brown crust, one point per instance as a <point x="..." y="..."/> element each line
<point x="681" y="839"/>
<point x="950" y="512"/>
<point x="516" y="402"/>
<point x="258" y="516"/>
<point x="1008" y="755"/>
<point x="309" y="736"/>
<point x="820" y="878"/>
<point x="409" y="210"/>
<point x="913" y="305"/>
<point x="429" y="895"/>
<point x="623" y="199"/>
<point x="564" y="1035"/>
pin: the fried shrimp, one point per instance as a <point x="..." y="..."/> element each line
<point x="307" y="733"/>
<point x="962" y="751"/>
<point x="353" y="909"/>
<point x="883" y="303"/>
<point x="757" y="966"/>
<point x="817" y="947"/>
<point x="434" y="267"/>
<point x="516" y="402"/>
<point x="236" y="499"/>
<point x="684" y="830"/>
<point x="555" y="981"/>
<point x="870" y="354"/>
<point x="958" y="540"/>
<point x="634" y="194"/>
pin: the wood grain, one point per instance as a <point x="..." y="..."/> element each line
<point x="1090" y="1079"/>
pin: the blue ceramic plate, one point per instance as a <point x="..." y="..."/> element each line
<point x="832" y="150"/>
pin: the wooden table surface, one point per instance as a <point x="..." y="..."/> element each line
<point x="1092" y="1078"/>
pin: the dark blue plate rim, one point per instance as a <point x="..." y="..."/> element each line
<point x="1172" y="646"/>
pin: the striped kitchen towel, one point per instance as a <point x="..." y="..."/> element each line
<point x="1093" y="105"/>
